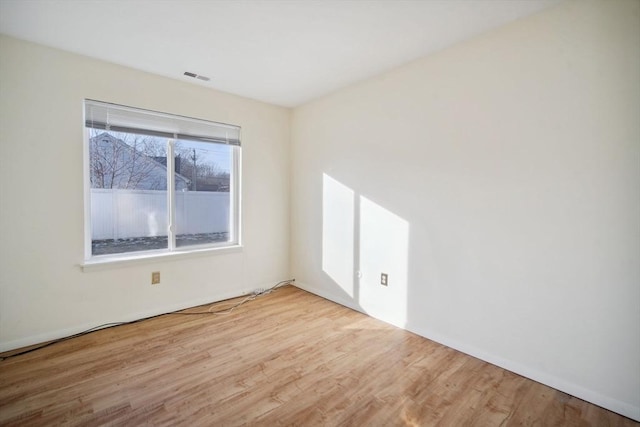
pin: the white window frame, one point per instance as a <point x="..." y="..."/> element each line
<point x="233" y="244"/>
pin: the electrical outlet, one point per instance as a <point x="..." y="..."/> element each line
<point x="384" y="279"/>
<point x="155" y="277"/>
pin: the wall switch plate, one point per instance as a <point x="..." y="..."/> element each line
<point x="384" y="279"/>
<point x="155" y="277"/>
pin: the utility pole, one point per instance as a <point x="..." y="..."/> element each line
<point x="194" y="173"/>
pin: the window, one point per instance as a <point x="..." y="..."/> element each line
<point x="158" y="183"/>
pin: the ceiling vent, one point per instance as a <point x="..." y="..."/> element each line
<point x="196" y="76"/>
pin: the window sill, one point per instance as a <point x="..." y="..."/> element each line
<point x="109" y="262"/>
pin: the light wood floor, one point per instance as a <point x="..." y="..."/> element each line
<point x="288" y="358"/>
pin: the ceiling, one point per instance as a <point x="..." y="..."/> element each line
<point x="283" y="52"/>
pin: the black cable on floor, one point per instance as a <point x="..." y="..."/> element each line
<point x="228" y="310"/>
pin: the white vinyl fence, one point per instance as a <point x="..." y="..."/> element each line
<point x="121" y="214"/>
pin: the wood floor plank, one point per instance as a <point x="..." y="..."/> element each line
<point x="288" y="358"/>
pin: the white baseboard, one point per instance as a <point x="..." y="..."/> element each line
<point x="322" y="293"/>
<point x="553" y="381"/>
<point x="62" y="333"/>
<point x="622" y="408"/>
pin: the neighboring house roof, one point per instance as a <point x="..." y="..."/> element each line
<point x="116" y="164"/>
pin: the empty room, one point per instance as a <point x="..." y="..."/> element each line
<point x="320" y="212"/>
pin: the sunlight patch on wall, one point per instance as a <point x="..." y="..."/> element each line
<point x="384" y="248"/>
<point x="338" y="232"/>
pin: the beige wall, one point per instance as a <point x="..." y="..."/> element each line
<point x="498" y="184"/>
<point x="43" y="292"/>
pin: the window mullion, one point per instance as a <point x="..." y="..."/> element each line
<point x="88" y="226"/>
<point x="234" y="217"/>
<point x="171" y="194"/>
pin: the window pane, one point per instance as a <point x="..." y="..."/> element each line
<point x="203" y="207"/>
<point x="128" y="176"/>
